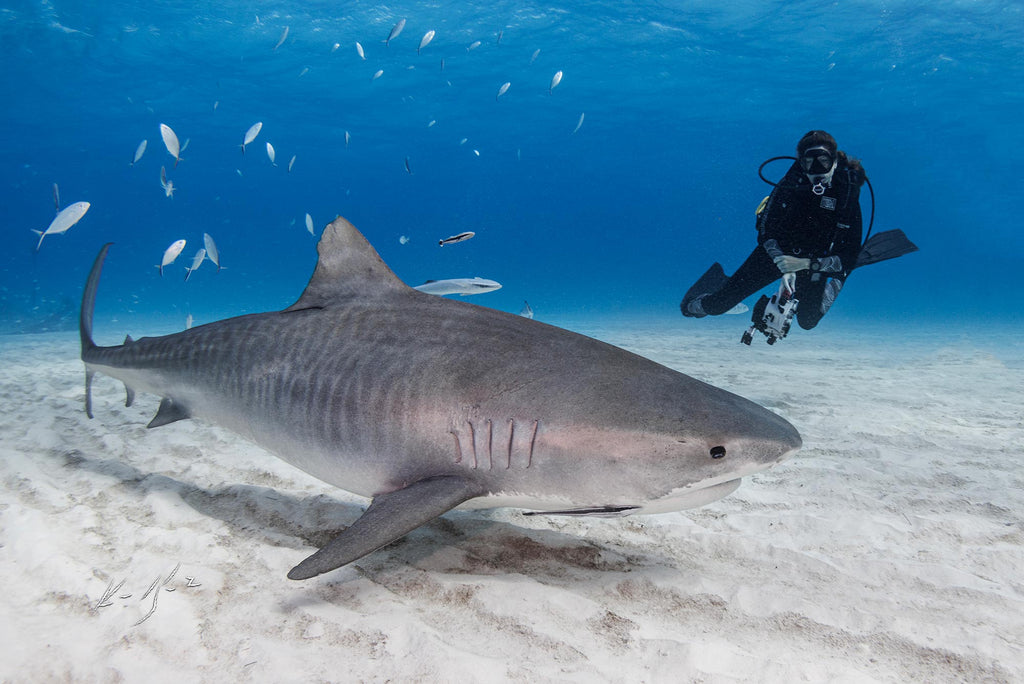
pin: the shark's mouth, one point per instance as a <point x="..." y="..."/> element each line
<point x="681" y="499"/>
<point x="677" y="500"/>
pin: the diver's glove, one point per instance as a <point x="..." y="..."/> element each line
<point x="792" y="264"/>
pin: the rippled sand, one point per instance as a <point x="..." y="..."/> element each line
<point x="889" y="550"/>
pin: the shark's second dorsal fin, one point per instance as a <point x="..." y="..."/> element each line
<point x="348" y="266"/>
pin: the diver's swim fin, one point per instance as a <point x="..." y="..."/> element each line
<point x="712" y="280"/>
<point x="882" y="246"/>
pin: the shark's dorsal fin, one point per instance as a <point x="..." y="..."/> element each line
<point x="347" y="267"/>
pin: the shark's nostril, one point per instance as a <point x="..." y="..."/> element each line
<point x="717" y="452"/>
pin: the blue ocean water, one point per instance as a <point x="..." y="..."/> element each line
<point x="606" y="196"/>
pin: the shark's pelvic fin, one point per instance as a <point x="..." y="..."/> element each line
<point x="168" y="413"/>
<point x="129" y="396"/>
<point x="88" y="392"/>
<point x="389" y="517"/>
<point x="348" y="266"/>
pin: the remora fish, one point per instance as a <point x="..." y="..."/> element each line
<point x="459" y="286"/>
<point x="425" y="403"/>
<point x="456" y="238"/>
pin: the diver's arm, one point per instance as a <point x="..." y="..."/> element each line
<point x="771" y="245"/>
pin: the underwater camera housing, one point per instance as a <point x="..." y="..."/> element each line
<point x="773" y="316"/>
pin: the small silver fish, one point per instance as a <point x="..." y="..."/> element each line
<point x="309" y="224"/>
<point x="456" y="238"/>
<point x="211" y="250"/>
<point x="377" y="74"/>
<point x="578" y="124"/>
<point x="533" y="57"/>
<point x="139" y="151"/>
<point x="555" y="80"/>
<point x="503" y="89"/>
<point x="171" y="253"/>
<point x="473" y="46"/>
<point x="526" y="311"/>
<point x="396" y="29"/>
<point x="197" y="261"/>
<point x="56" y="198"/>
<point x="251" y="134"/>
<point x="271" y="154"/>
<point x="359" y="51"/>
<point x="167" y="185"/>
<point x="291" y="163"/>
<point x="171" y="142"/>
<point x="427" y="37"/>
<point x="284" y="36"/>
<point x="71" y="215"/>
<point x="408" y="169"/>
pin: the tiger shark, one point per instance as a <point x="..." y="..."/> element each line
<point x="424" y="404"/>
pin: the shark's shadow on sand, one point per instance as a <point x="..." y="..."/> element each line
<point x="462" y="543"/>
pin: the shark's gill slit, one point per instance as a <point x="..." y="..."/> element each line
<point x="511" y="433"/>
<point x="458" y="447"/>
<point x="533" y="440"/>
<point x="490" y="440"/>
<point x="472" y="443"/>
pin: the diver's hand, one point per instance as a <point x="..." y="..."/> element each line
<point x="792" y="264"/>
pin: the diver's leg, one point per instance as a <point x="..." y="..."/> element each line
<point x="755" y="273"/>
<point x="816" y="297"/>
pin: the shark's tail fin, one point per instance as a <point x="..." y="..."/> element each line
<point x="85" y="320"/>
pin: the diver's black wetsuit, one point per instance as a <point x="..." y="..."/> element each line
<point x="796" y="222"/>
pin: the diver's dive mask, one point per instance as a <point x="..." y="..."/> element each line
<point x="818" y="164"/>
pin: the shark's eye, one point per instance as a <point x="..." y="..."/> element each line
<point x="717" y="452"/>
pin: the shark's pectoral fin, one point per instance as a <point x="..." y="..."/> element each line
<point x="389" y="517"/>
<point x="168" y="413"/>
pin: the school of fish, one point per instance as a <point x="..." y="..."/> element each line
<point x="71" y="215"/>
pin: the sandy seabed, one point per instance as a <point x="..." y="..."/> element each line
<point x="891" y="549"/>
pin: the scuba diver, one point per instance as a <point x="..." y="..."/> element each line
<point x="809" y="234"/>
